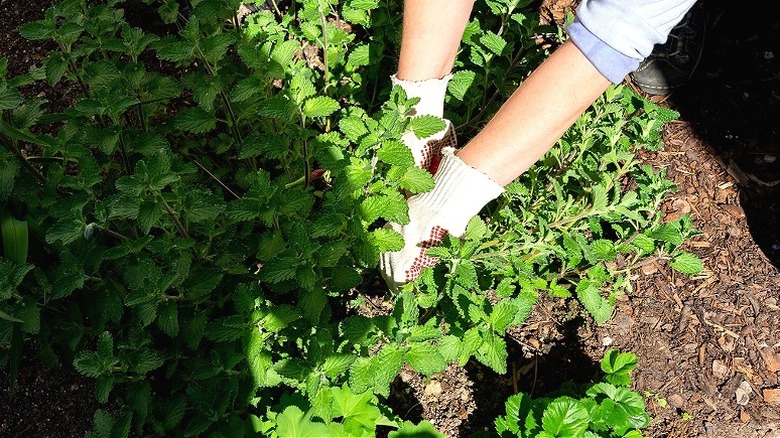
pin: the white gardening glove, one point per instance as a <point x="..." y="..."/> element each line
<point x="459" y="193"/>
<point x="427" y="151"/>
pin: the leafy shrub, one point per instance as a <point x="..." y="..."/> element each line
<point x="200" y="220"/>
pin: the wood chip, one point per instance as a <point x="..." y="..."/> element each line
<point x="771" y="359"/>
<point x="772" y="396"/>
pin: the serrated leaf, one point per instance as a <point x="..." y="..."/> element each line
<point x="425" y="358"/>
<point x="9" y="98"/>
<point x="493" y="353"/>
<point x="337" y="364"/>
<point x="426" y="125"/>
<point x="461" y="83"/>
<point x="416" y="180"/>
<point x="320" y="106"/>
<point x="493" y="42"/>
<point x="387" y="239"/>
<point x="195" y="120"/>
<point x="603" y="249"/>
<point x="687" y="263"/>
<point x="590" y="297"/>
<point x="565" y="417"/>
<point x="396" y="153"/>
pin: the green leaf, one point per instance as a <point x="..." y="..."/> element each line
<point x="493" y="353"/>
<point x="320" y="106"/>
<point x="336" y="365"/>
<point x="292" y="422"/>
<point x="168" y="318"/>
<point x="195" y="120"/>
<point x="590" y="297"/>
<point x="687" y="263"/>
<point x="396" y="153"/>
<point x="387" y="239"/>
<point x="422" y="430"/>
<point x="37" y="30"/>
<point x="377" y="372"/>
<point x="149" y="213"/>
<point x="359" y="414"/>
<point x="176" y="51"/>
<point x="502" y="316"/>
<point x="604" y="249"/>
<point x="417" y="180"/>
<point x="565" y="417"/>
<point x="9" y="98"/>
<point x="493" y="42"/>
<point x="667" y="233"/>
<point x="55" y="65"/>
<point x="425" y="358"/>
<point x="460" y="83"/>
<point x="644" y="244"/>
<point x="426" y="125"/>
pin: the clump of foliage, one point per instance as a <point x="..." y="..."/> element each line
<point x="605" y="409"/>
<point x="192" y="231"/>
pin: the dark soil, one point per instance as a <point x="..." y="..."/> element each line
<point x="708" y="346"/>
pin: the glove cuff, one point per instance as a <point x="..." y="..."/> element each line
<point x="430" y="91"/>
<point x="459" y="193"/>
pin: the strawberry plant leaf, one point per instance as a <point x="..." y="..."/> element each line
<point x="565" y="416"/>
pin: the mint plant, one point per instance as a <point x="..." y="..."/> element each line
<point x="192" y="230"/>
<point x="605" y="409"/>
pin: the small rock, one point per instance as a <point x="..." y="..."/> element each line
<point x="743" y="393"/>
<point x="744" y="416"/>
<point x="719" y="369"/>
<point x="433" y="388"/>
<point x="607" y="341"/>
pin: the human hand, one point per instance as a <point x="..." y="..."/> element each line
<point x="459" y="193"/>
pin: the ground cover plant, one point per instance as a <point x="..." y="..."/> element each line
<point x="195" y="232"/>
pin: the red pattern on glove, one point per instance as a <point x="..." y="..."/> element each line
<point x="423" y="260"/>
<point x="431" y="152"/>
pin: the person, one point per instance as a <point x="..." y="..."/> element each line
<point x="673" y="63"/>
<point x="607" y="40"/>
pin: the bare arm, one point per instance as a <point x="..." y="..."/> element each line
<point x="545" y="105"/>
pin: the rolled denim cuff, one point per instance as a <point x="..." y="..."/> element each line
<point x="608" y="61"/>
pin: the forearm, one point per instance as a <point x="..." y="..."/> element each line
<point x="432" y="31"/>
<point x="545" y="105"/>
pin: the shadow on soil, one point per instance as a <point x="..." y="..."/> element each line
<point x="539" y="376"/>
<point x="733" y="104"/>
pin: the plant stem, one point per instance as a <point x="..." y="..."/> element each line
<point x="26" y="164"/>
<point x="176" y="223"/>
<point x="323" y="23"/>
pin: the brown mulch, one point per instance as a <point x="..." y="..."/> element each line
<point x="708" y="346"/>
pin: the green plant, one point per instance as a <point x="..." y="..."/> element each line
<point x="604" y="409"/>
<point x="202" y="217"/>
